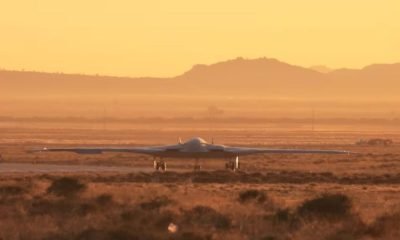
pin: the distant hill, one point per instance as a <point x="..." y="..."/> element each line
<point x="245" y="77"/>
<point x="15" y="83"/>
<point x="321" y="69"/>
<point x="377" y="80"/>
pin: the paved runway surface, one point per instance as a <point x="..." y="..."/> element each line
<point x="52" y="168"/>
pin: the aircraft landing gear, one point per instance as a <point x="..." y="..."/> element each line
<point x="197" y="166"/>
<point x="233" y="164"/>
<point x="160" y="165"/>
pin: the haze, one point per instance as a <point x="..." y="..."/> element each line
<point x="165" y="38"/>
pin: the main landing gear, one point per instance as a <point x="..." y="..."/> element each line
<point x="160" y="165"/>
<point x="197" y="166"/>
<point x="233" y="164"/>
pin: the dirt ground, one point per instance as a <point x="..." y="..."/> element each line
<point x="272" y="197"/>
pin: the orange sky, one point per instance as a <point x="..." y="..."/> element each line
<point x="165" y="38"/>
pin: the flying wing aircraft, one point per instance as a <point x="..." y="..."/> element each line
<point x="195" y="148"/>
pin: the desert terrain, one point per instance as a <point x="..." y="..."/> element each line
<point x="272" y="196"/>
<point x="309" y="75"/>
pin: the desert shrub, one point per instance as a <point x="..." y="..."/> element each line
<point x="193" y="236"/>
<point x="342" y="235"/>
<point x="85" y="208"/>
<point x="106" y="233"/>
<point x="11" y="190"/>
<point x="268" y="237"/>
<point x="60" y="207"/>
<point x="163" y="219"/>
<point x="104" y="199"/>
<point x="252" y="195"/>
<point x="385" y="224"/>
<point x="129" y="215"/>
<point x="92" y="234"/>
<point x="41" y="206"/>
<point x="331" y="206"/>
<point x="207" y="216"/>
<point x="282" y="215"/>
<point x="351" y="228"/>
<point x="58" y="236"/>
<point x="284" y="219"/>
<point x="156" y="203"/>
<point x="155" y="219"/>
<point x="122" y="234"/>
<point x="137" y="215"/>
<point x="114" y="234"/>
<point x="66" y="187"/>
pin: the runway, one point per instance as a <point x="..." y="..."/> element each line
<point x="57" y="168"/>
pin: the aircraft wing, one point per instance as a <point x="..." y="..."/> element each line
<point x="247" y="151"/>
<point x="99" y="150"/>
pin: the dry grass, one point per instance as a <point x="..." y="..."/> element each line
<point x="130" y="210"/>
<point x="273" y="197"/>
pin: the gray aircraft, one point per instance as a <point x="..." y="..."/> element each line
<point x="194" y="148"/>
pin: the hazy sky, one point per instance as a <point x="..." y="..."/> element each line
<point x="165" y="38"/>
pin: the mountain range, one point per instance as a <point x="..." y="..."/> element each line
<point x="261" y="77"/>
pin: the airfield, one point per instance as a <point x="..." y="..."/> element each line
<point x="120" y="196"/>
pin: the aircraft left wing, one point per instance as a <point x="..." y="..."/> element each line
<point x="99" y="150"/>
<point x="247" y="151"/>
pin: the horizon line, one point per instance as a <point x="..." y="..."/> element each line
<point x="193" y="65"/>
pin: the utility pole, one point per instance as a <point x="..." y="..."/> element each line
<point x="313" y="120"/>
<point x="104" y="118"/>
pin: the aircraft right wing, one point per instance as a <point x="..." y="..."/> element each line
<point x="247" y="151"/>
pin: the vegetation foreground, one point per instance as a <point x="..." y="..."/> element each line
<point x="92" y="207"/>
